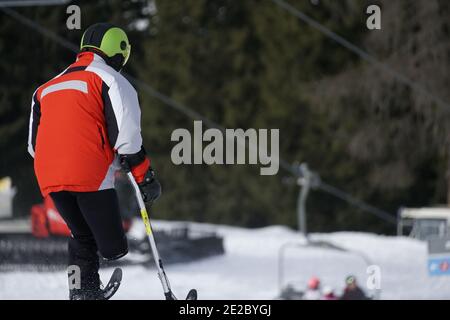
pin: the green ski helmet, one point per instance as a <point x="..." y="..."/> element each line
<point x="111" y="41"/>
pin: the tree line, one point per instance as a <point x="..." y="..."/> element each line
<point x="250" y="64"/>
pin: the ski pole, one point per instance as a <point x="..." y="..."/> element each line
<point x="148" y="229"/>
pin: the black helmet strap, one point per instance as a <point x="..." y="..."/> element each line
<point x="115" y="62"/>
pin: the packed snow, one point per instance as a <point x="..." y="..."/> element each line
<point x="249" y="269"/>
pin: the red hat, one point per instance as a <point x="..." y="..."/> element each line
<point x="313" y="283"/>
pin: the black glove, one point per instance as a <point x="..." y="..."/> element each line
<point x="150" y="187"/>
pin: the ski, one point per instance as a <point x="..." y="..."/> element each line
<point x="113" y="284"/>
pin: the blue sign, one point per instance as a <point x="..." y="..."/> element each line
<point x="439" y="266"/>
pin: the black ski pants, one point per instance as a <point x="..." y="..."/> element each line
<point x="96" y="226"/>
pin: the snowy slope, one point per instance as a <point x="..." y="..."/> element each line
<point x="249" y="269"/>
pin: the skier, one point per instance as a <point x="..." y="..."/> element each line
<point x="313" y="290"/>
<point x="85" y="125"/>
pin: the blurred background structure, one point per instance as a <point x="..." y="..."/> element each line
<point x="367" y="110"/>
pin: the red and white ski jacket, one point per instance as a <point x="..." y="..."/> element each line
<point x="80" y="120"/>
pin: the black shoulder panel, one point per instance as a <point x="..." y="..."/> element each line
<point x="110" y="117"/>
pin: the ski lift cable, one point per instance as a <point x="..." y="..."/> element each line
<point x="357" y="203"/>
<point x="196" y="116"/>
<point x="32" y="3"/>
<point x="361" y="53"/>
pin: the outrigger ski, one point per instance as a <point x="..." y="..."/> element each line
<point x="113" y="284"/>
<point x="192" y="295"/>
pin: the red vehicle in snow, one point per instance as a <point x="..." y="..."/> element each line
<point x="46" y="220"/>
<point x="41" y="242"/>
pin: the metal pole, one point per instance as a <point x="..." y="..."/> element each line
<point x="305" y="183"/>
<point x="148" y="228"/>
<point x="399" y="223"/>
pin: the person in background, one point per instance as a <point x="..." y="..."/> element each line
<point x="352" y="291"/>
<point x="313" y="290"/>
<point x="328" y="294"/>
